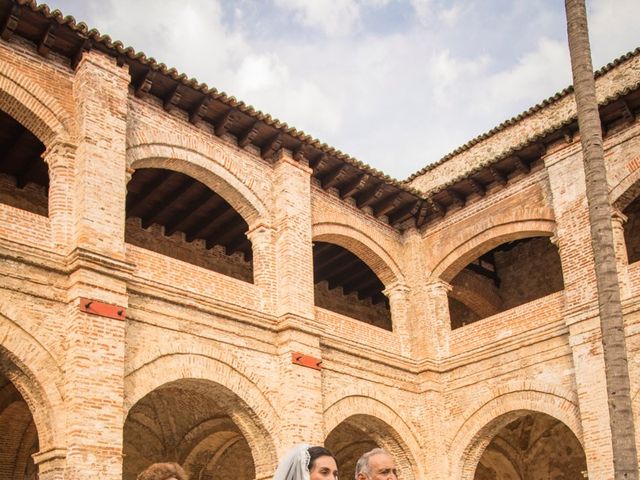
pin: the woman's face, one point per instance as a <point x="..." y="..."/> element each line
<point x="324" y="468"/>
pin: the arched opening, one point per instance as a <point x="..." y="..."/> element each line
<point x="527" y="445"/>
<point x="509" y="275"/>
<point x="347" y="285"/>
<point x="191" y="422"/>
<point x="632" y="230"/>
<point x="24" y="176"/>
<point x="360" y="433"/>
<point x="173" y="214"/>
<point x="18" y="434"/>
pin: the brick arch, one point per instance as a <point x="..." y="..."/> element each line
<point x="488" y="234"/>
<point x="255" y="416"/>
<point x="204" y="167"/>
<point x="478" y="428"/>
<point x="361" y="245"/>
<point x="33" y="107"/>
<point x="627" y="189"/>
<point x="35" y="374"/>
<point x="385" y="417"/>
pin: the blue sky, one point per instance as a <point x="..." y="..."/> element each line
<point x="395" y="83"/>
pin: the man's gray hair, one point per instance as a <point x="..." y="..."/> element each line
<point x="363" y="462"/>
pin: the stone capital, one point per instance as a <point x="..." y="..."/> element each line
<point x="396" y="289"/>
<point x="51" y="455"/>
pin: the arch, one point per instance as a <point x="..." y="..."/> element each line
<point x="487" y="418"/>
<point x="254" y="415"/>
<point x="205" y="169"/>
<point x="484" y="237"/>
<point x="359" y="406"/>
<point x="363" y="246"/>
<point x="34" y="373"/>
<point x="627" y="189"/>
<point x="33" y="107"/>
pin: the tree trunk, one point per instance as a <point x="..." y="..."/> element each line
<point x="625" y="461"/>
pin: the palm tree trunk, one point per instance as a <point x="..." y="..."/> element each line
<point x="625" y="461"/>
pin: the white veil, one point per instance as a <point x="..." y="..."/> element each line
<point x="294" y="465"/>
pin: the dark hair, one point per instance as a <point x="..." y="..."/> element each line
<point x="317" y="452"/>
<point x="162" y="471"/>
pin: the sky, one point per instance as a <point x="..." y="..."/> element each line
<point x="394" y="83"/>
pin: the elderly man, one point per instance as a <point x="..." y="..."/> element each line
<point x="376" y="465"/>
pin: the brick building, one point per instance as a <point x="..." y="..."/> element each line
<point x="187" y="279"/>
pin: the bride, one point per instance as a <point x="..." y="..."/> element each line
<point x="307" y="463"/>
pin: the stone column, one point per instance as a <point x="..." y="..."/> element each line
<point x="60" y="158"/>
<point x="264" y="275"/>
<point x="573" y="238"/>
<point x="398" y="295"/>
<point x="98" y="275"/>
<point x="301" y="387"/>
<point x="50" y="463"/>
<point x="618" y="219"/>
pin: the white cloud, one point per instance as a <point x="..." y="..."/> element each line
<point x="613" y="28"/>
<point x="333" y="17"/>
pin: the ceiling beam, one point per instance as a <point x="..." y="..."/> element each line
<point x="85" y="46"/>
<point x="200" y="109"/>
<point x="137" y="202"/>
<point x="237" y="227"/>
<point x="145" y="83"/>
<point x="370" y="195"/>
<point x="27" y="170"/>
<point x="387" y="204"/>
<point x="498" y="176"/>
<point x="170" y="199"/>
<point x="404" y="213"/>
<point x="192" y="210"/>
<point x="350" y="188"/>
<point x="271" y="146"/>
<point x="334" y="176"/>
<point x="521" y="165"/>
<point x="173" y="99"/>
<point x="423" y="210"/>
<point x="477" y="187"/>
<point x="224" y="123"/>
<point x="319" y="162"/>
<point x="11" y="22"/>
<point x="249" y="135"/>
<point x="336" y="275"/>
<point x="48" y="40"/>
<point x="341" y="260"/>
<point x="219" y="217"/>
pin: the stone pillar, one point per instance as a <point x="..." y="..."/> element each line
<point x="618" y="219"/>
<point x="573" y="238"/>
<point x="98" y="275"/>
<point x="264" y="275"/>
<point x="60" y="158"/>
<point x="301" y="387"/>
<point x="50" y="463"/>
<point x="100" y="92"/>
<point x="398" y="295"/>
<point x="430" y="325"/>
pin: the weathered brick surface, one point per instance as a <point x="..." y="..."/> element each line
<point x="201" y="372"/>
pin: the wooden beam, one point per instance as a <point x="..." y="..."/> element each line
<point x="271" y="146"/>
<point x="354" y="185"/>
<point x="498" y="176"/>
<point x="439" y="209"/>
<point x="234" y="246"/>
<point x="200" y="109"/>
<point x="370" y="196"/>
<point x="300" y="154"/>
<point x="85" y="46"/>
<point x="10" y="22"/>
<point x="477" y="187"/>
<point x="387" y="204"/>
<point x="369" y="289"/>
<point x="404" y="213"/>
<point x="456" y="197"/>
<point x="24" y="175"/>
<point x="342" y="259"/>
<point x="135" y="203"/>
<point x="249" y="135"/>
<point x="171" y="197"/>
<point x="219" y="217"/>
<point x="205" y="222"/>
<point x="319" y="162"/>
<point x="145" y="83"/>
<point x="423" y="210"/>
<point x="225" y="122"/>
<point x="236" y="227"/>
<point x="627" y="113"/>
<point x="521" y="165"/>
<point x="354" y="280"/>
<point x="192" y="211"/>
<point x="334" y="176"/>
<point x="173" y="99"/>
<point x="48" y="40"/>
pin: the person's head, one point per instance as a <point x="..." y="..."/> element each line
<point x="163" y="471"/>
<point x="322" y="464"/>
<point x="376" y="464"/>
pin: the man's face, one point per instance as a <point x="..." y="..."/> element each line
<point x="382" y="467"/>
